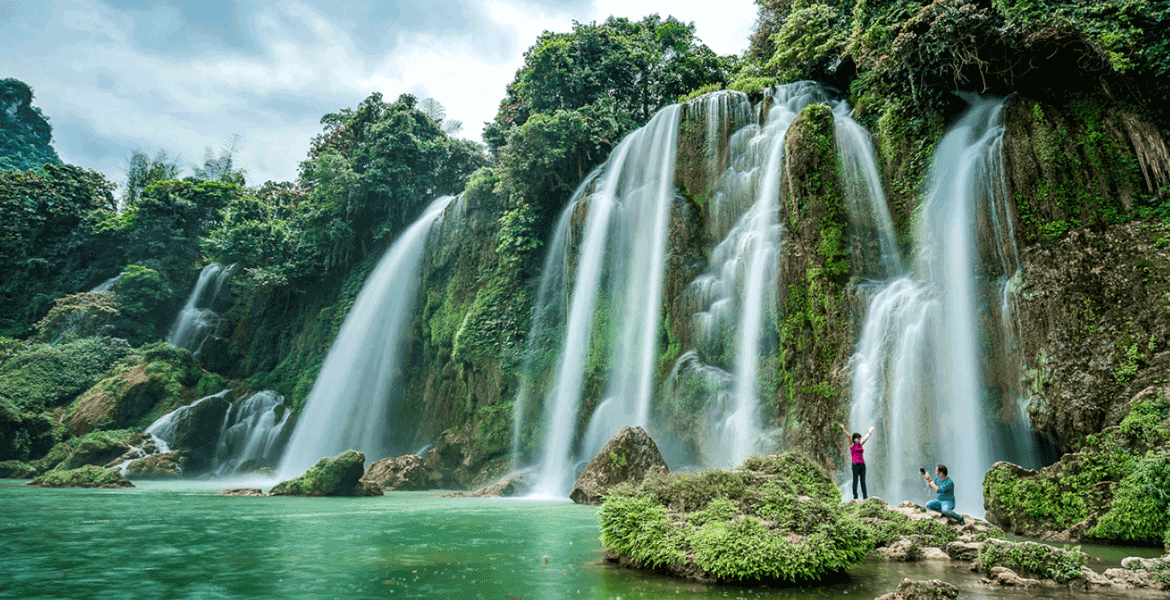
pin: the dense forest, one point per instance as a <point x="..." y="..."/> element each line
<point x="1086" y="165"/>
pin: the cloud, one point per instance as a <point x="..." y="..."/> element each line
<point x="119" y="75"/>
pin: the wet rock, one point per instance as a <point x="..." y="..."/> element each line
<point x="402" y="473"/>
<point x="627" y="458"/>
<point x="167" y="465"/>
<point x="933" y="589"/>
<point x="89" y="476"/>
<point x="15" y="469"/>
<point x="95" y="450"/>
<point x="1007" y="577"/>
<point x="118" y="402"/>
<point x="446" y="460"/>
<point x="336" y="476"/>
<point x="57" y="454"/>
<point x="512" y="484"/>
<point x="243" y="492"/>
<point x="902" y="550"/>
<point x="959" y="550"/>
<point x="930" y="553"/>
<point x="1030" y="559"/>
<point x="196" y="430"/>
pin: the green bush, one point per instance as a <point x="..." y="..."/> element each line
<point x="48" y="376"/>
<point x="1140" y="510"/>
<point x="1030" y="558"/>
<point x="774" y="519"/>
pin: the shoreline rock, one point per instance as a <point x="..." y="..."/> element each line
<point x="336" y="476"/>
<point x="628" y="457"/>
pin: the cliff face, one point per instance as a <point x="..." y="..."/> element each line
<point x="25" y="134"/>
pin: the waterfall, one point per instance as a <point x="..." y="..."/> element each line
<point x="251" y="430"/>
<point x="164" y="428"/>
<point x="351" y="399"/>
<point x="108" y="284"/>
<point x="623" y="249"/>
<point x="197" y="320"/>
<point x="917" y="372"/>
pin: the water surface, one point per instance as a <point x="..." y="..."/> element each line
<point x="179" y="540"/>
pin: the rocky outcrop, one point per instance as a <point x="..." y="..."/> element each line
<point x="25" y="134"/>
<point x="512" y="484"/>
<point x="785" y="509"/>
<point x="98" y="449"/>
<point x="337" y="476"/>
<point x="1011" y="563"/>
<point x="629" y="457"/>
<point x="1094" y="326"/>
<point x="89" y="476"/>
<point x="402" y="473"/>
<point x="248" y="492"/>
<point x="15" y="469"/>
<point x="932" y="589"/>
<point x="117" y="402"/>
<point x="167" y="465"/>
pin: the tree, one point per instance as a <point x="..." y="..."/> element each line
<point x="222" y="168"/>
<point x="141" y="171"/>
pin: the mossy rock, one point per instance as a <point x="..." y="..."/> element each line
<point x="15" y="469"/>
<point x="97" y="448"/>
<point x="337" y="476"/>
<point x="776" y="519"/>
<point x="1030" y="558"/>
<point x="89" y="476"/>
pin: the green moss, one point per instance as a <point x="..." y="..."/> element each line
<point x="48" y="376"/>
<point x="776" y="518"/>
<point x="89" y="476"/>
<point x="1032" y="559"/>
<point x="707" y="89"/>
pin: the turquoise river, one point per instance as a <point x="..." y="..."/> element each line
<point x="180" y="540"/>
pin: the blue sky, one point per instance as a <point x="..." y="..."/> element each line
<point x="118" y="75"/>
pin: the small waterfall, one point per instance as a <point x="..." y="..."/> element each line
<point x="108" y="284"/>
<point x="197" y="320"/>
<point x="163" y="430"/>
<point x="352" y="397"/>
<point x="251" y="429"/>
<point x="623" y="250"/>
<point x="917" y="372"/>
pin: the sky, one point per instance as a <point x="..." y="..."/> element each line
<point x="115" y="76"/>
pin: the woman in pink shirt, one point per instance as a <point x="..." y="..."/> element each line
<point x="857" y="451"/>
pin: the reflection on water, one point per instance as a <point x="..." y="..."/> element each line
<point x="177" y="540"/>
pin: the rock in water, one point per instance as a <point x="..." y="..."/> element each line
<point x="167" y="465"/>
<point x="512" y="484"/>
<point x="89" y="476"/>
<point x="776" y="519"/>
<point x="402" y="473"/>
<point x="337" y="476"/>
<point x="627" y="458"/>
<point x="933" y="589"/>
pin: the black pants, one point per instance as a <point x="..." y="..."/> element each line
<point x="859" y="473"/>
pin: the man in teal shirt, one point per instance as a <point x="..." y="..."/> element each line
<point x="945" y="487"/>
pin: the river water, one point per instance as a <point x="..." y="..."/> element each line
<point x="179" y="540"/>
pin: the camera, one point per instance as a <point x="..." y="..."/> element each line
<point x="921" y="470"/>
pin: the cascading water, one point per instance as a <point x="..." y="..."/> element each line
<point x="353" y="394"/>
<point x="623" y="249"/>
<point x="164" y="428"/>
<point x="197" y="320"/>
<point x="251" y="430"/>
<point x="917" y="369"/>
<point x="108" y="284"/>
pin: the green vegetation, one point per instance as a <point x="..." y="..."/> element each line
<point x="1032" y="559"/>
<point x="25" y="133"/>
<point x="1120" y="474"/>
<point x="886" y="525"/>
<point x="88" y="476"/>
<point x="775" y="519"/>
<point x="336" y="476"/>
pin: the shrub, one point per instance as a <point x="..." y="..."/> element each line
<point x="1030" y="558"/>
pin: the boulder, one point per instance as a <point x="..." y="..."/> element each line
<point x="167" y="465"/>
<point x="89" y="476"/>
<point x="57" y="454"/>
<point x="243" y="492"/>
<point x="1007" y="577"/>
<point x="402" y="473"/>
<point x="932" y="589"/>
<point x="15" y="469"/>
<point x="118" y="402"/>
<point x="337" y="476"/>
<point x="1030" y="559"/>
<point x="512" y="484"/>
<point x="446" y="460"/>
<point x="195" y="428"/>
<point x="627" y="458"/>
<point x="902" y="550"/>
<point x="960" y="550"/>
<point x="97" y="450"/>
<point x="766" y="523"/>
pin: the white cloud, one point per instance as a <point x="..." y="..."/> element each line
<point x="112" y="80"/>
